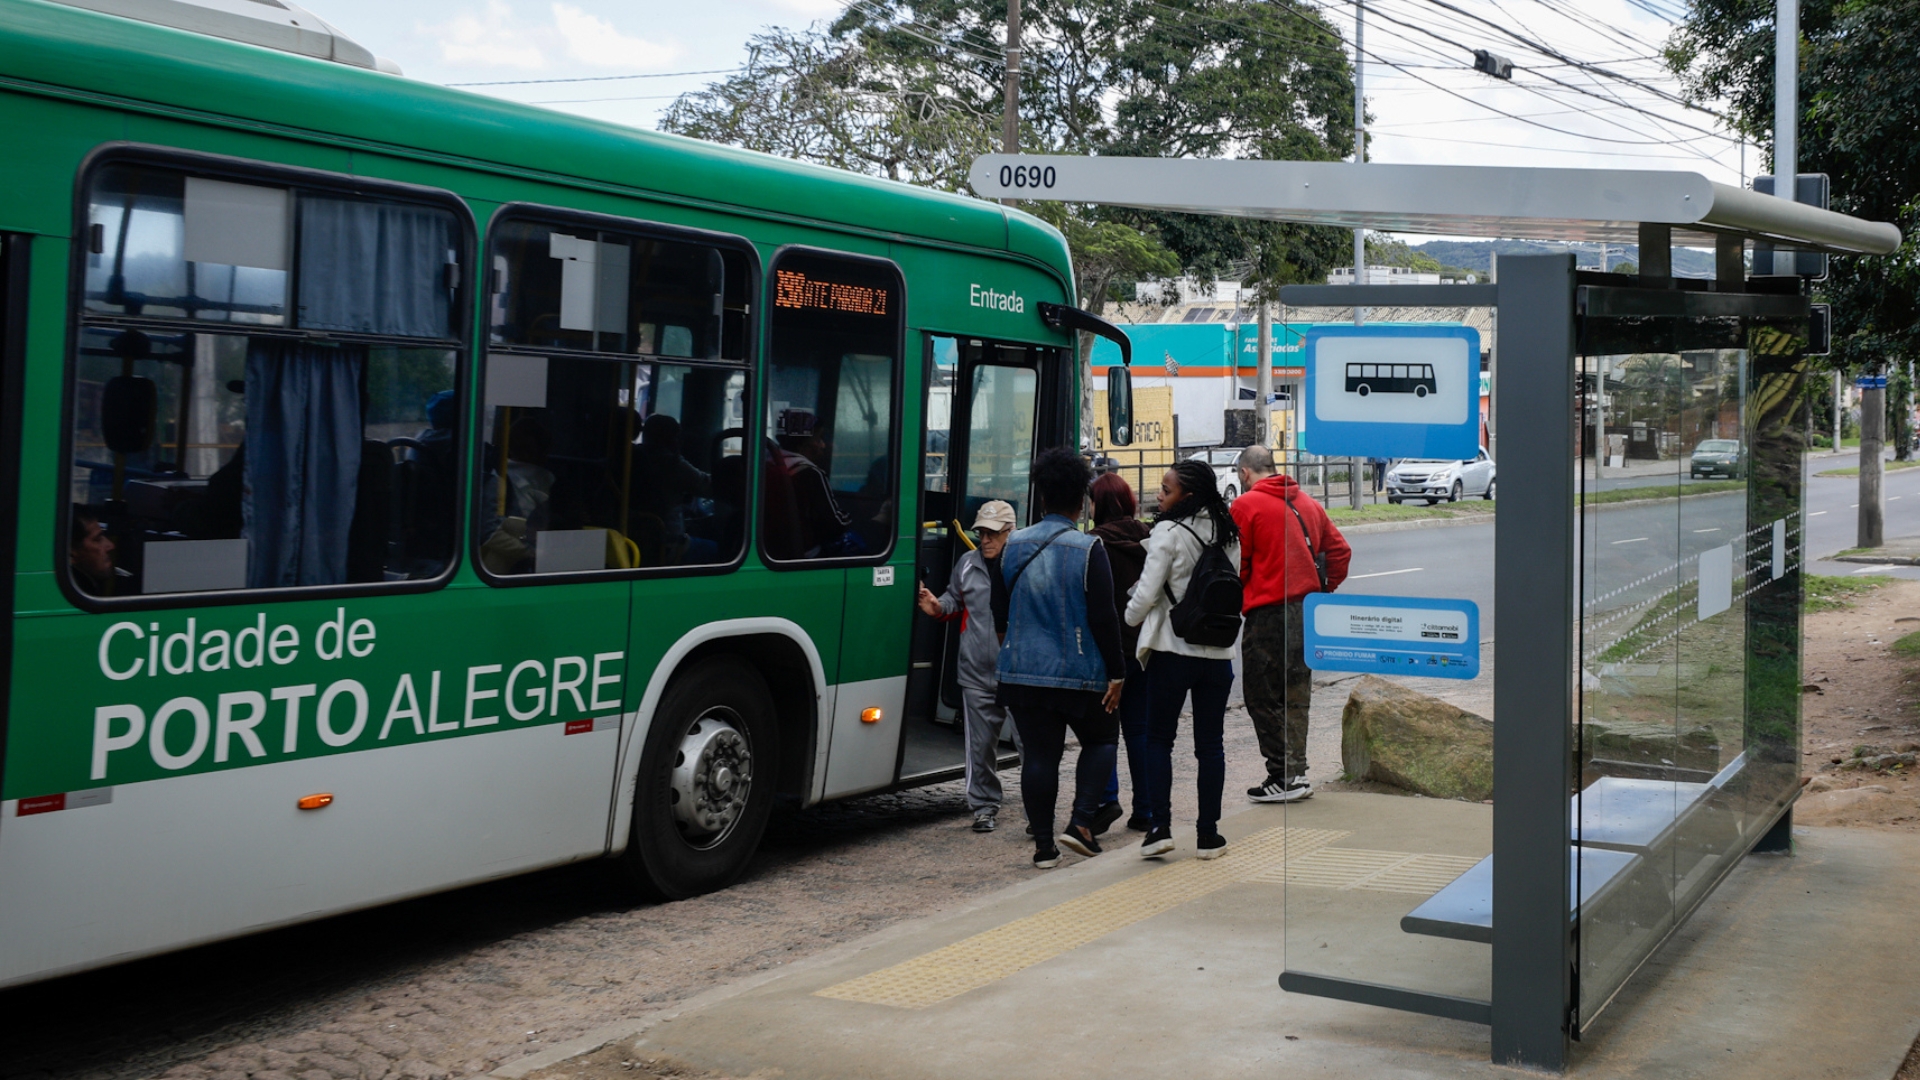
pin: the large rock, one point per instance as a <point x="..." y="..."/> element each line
<point x="1392" y="735"/>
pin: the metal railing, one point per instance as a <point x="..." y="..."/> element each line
<point x="1326" y="479"/>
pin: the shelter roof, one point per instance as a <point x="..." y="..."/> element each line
<point x="1462" y="200"/>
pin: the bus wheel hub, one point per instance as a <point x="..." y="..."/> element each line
<point x="712" y="775"/>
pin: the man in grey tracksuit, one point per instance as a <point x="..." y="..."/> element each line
<point x="970" y="598"/>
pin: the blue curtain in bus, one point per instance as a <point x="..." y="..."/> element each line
<point x="374" y="267"/>
<point x="302" y="470"/>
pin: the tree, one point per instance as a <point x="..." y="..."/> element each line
<point x="1860" y="102"/>
<point x="911" y="90"/>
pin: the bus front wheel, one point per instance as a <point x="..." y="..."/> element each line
<point x="705" y="785"/>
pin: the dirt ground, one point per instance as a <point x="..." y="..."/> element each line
<point x="1861" y="709"/>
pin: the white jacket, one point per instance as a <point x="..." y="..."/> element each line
<point x="1172" y="552"/>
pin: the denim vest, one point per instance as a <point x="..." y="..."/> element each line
<point x="1049" y="641"/>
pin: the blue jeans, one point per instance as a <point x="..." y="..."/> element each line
<point x="1173" y="677"/>
<point x="1133" y="732"/>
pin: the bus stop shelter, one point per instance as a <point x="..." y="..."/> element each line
<point x="1645" y="729"/>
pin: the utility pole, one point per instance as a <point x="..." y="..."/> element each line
<point x="1359" y="141"/>
<point x="1838" y="383"/>
<point x="1873" y="425"/>
<point x="1010" y="109"/>
<point x="1263" y="371"/>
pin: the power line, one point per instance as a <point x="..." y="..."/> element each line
<point x="598" y="78"/>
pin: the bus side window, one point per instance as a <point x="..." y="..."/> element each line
<point x="834" y="354"/>
<point x="614" y="434"/>
<point x="218" y="455"/>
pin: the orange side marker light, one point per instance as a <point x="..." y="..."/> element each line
<point x="316" y="802"/>
<point x="869" y="716"/>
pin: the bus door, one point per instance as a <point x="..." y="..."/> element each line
<point x="988" y="406"/>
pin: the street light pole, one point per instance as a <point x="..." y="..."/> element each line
<point x="1786" y="101"/>
<point x="1360" y="140"/>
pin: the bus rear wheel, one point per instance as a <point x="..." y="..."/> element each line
<point x="705" y="785"/>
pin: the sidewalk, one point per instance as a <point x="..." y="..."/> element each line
<point x="1123" y="967"/>
<point x="1900" y="551"/>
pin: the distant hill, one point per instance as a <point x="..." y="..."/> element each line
<point x="1477" y="255"/>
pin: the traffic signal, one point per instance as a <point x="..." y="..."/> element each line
<point x="1810" y="189"/>
<point x="1820" y="330"/>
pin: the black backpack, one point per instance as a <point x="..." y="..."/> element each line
<point x="1209" y="613"/>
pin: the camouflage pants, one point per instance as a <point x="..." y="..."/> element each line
<point x="1278" y="686"/>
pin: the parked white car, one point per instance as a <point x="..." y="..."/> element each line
<point x="1222" y="461"/>
<point x="1422" y="478"/>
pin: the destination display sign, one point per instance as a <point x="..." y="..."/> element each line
<point x="794" y="289"/>
<point x="1393" y="635"/>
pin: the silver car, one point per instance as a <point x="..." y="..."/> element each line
<point x="1433" y="480"/>
<point x="1222" y="460"/>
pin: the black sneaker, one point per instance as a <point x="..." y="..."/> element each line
<point x="1282" y="791"/>
<point x="1079" y="840"/>
<point x="1105" y="816"/>
<point x="985" y="819"/>
<point x="1137" y="823"/>
<point x="1159" y="841"/>
<point x="1046" y="858"/>
<point x="1210" y="847"/>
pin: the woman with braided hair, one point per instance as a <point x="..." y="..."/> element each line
<point x="1192" y="518"/>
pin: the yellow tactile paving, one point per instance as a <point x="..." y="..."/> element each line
<point x="995" y="954"/>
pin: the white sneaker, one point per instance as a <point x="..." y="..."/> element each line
<point x="1274" y="791"/>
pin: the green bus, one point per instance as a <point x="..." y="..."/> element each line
<point x="406" y="489"/>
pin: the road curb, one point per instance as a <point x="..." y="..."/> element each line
<point x="1436" y="522"/>
<point x="1878" y="560"/>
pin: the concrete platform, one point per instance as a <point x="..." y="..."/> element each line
<point x="1123" y="967"/>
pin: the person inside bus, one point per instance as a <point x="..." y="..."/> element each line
<point x="976" y="595"/>
<point x="90" y="555"/>
<point x="1060" y="666"/>
<point x="664" y="483"/>
<point x="805" y="521"/>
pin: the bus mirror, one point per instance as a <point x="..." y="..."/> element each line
<point x="1120" y="405"/>
<point x="127" y="406"/>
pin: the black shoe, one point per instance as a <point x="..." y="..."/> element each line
<point x="1079" y="840"/>
<point x="1105" y="816"/>
<point x="1211" y="847"/>
<point x="1137" y="823"/>
<point x="1282" y="791"/>
<point x="1159" y="841"/>
<point x="1046" y="858"/>
<point x="985" y="819"/>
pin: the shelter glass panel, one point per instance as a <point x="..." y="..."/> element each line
<point x="1689" y="646"/>
<point x="1362" y="691"/>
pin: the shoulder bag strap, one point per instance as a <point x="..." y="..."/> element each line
<point x="1167" y="586"/>
<point x="1319" y="566"/>
<point x="1035" y="555"/>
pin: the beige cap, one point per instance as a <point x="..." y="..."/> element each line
<point x="994" y="516"/>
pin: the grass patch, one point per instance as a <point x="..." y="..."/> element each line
<point x="1908" y="646"/>
<point x="1660" y="491"/>
<point x="1367" y="515"/>
<point x="1827" y="592"/>
<point x="1885" y="466"/>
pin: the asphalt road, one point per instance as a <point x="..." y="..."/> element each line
<point x="1631" y="541"/>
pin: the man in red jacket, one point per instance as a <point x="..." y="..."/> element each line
<point x="1288" y="548"/>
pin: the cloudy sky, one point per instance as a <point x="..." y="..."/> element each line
<point x="1562" y="107"/>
